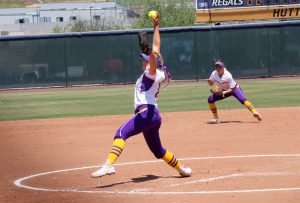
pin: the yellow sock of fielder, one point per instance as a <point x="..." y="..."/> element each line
<point x="250" y="106"/>
<point x="116" y="150"/>
<point x="213" y="109"/>
<point x="170" y="159"/>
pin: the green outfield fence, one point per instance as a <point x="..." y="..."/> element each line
<point x="249" y="50"/>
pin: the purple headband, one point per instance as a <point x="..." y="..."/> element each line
<point x="145" y="57"/>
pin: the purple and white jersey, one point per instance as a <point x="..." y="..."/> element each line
<point x="226" y="81"/>
<point x="147" y="88"/>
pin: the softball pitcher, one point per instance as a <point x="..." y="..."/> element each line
<point x="229" y="88"/>
<point x="147" y="119"/>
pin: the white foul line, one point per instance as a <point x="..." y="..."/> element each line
<point x="19" y="181"/>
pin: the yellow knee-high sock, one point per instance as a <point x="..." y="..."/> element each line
<point x="213" y="109"/>
<point x="250" y="106"/>
<point x="170" y="159"/>
<point x="116" y="150"/>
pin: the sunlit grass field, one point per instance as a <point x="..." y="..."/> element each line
<point x="177" y="97"/>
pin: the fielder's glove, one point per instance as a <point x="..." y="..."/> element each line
<point x="216" y="89"/>
<point x="144" y="42"/>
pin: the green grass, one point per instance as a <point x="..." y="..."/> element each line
<point x="12" y="4"/>
<point x="119" y="100"/>
<point x="24" y="3"/>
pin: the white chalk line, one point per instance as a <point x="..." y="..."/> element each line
<point x="236" y="175"/>
<point x="138" y="191"/>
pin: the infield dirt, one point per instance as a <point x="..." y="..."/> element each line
<point x="37" y="146"/>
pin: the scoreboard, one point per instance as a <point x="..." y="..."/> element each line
<point x="236" y="10"/>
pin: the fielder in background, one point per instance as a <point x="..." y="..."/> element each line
<point x="229" y="87"/>
<point x="147" y="118"/>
